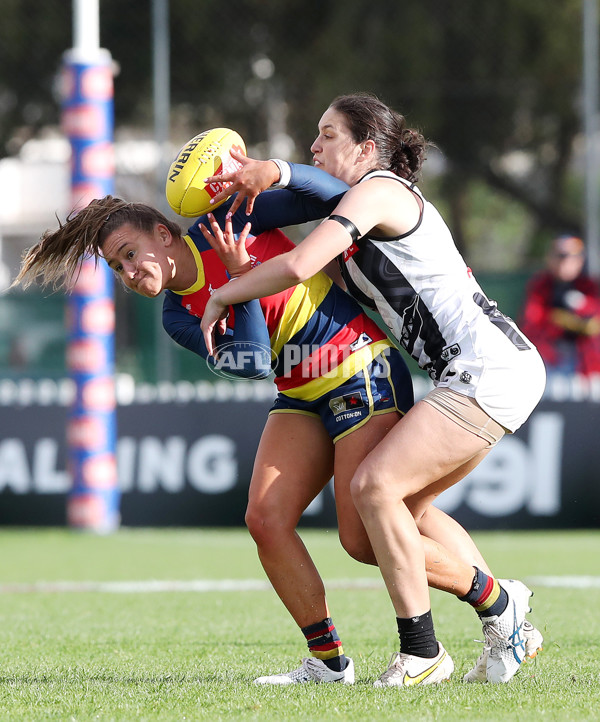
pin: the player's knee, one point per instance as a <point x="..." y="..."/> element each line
<point x="375" y="489"/>
<point x="358" y="549"/>
<point x="257" y="524"/>
<point x="266" y="525"/>
<point x="365" y="488"/>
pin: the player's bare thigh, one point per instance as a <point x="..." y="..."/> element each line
<point x="423" y="449"/>
<point x="293" y="464"/>
<point x="350" y="451"/>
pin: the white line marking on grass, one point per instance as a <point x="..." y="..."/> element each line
<point x="193" y="585"/>
<point x="242" y="585"/>
<point x="566" y="582"/>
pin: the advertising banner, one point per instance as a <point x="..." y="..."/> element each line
<point x="188" y="463"/>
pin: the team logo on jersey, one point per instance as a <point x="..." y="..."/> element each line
<point x="450" y="352"/>
<point x="350" y="251"/>
<point x="363" y="340"/>
<point x="347" y="402"/>
<point x="465" y="377"/>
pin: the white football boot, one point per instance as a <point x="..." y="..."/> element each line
<point x="406" y="670"/>
<point x="533" y="645"/>
<point x="312" y="670"/>
<point x="503" y="633"/>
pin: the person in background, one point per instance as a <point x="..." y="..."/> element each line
<point x="561" y="312"/>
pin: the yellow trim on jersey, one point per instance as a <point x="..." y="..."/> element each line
<point x="358" y="361"/>
<point x="200" y="280"/>
<point x="301" y="306"/>
<point x="372" y="413"/>
<point x="385" y="361"/>
<point x="381" y="412"/>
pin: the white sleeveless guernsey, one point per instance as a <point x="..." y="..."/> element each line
<point x="433" y="305"/>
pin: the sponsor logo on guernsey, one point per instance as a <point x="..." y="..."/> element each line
<point x="363" y="340"/>
<point x="347" y="403"/>
<point x="450" y="352"/>
<point x="350" y="251"/>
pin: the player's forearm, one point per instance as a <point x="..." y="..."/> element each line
<point x="247" y="352"/>
<point x="310" y="194"/>
<point x="243" y="351"/>
<point x="268" y="278"/>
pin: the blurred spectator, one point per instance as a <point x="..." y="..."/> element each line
<point x="561" y="314"/>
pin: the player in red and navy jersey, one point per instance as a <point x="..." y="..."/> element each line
<point x="318" y="336"/>
<point x="342" y="385"/>
<point x="339" y="379"/>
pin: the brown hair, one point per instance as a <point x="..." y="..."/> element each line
<point x="400" y="149"/>
<point x="56" y="259"/>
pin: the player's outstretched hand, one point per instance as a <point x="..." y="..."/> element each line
<point x="231" y="250"/>
<point x="252" y="178"/>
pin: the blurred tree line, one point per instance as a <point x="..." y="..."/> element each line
<point x="495" y="85"/>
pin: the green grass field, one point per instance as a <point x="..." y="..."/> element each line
<point x="97" y="652"/>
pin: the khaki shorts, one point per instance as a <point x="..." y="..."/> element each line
<point x="466" y="412"/>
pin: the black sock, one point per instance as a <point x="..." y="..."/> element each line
<point x="325" y="644"/>
<point x="417" y="636"/>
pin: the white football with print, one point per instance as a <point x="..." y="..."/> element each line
<point x="204" y="155"/>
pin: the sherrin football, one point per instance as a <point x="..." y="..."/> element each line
<point x="205" y="155"/>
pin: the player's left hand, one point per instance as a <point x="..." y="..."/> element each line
<point x="231" y="250"/>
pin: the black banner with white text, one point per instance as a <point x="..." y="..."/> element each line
<point x="189" y="464"/>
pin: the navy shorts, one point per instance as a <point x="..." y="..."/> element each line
<point x="384" y="387"/>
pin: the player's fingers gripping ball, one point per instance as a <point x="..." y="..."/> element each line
<point x="205" y="155"/>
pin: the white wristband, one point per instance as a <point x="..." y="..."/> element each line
<point x="285" y="173"/>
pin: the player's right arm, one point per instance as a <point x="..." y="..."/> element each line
<point x="247" y="344"/>
<point x="310" y="194"/>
